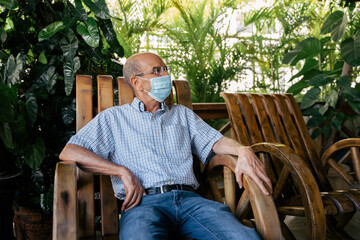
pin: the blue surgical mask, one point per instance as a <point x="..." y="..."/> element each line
<point x="160" y="87"/>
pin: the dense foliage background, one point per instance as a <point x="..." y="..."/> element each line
<point x="308" y="48"/>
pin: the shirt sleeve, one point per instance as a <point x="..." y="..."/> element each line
<point x="203" y="137"/>
<point x="96" y="136"/>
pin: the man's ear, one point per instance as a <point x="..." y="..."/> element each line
<point x="135" y="83"/>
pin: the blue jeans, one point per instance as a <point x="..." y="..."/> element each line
<point x="181" y="213"/>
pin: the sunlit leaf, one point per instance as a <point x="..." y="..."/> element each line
<point x="42" y="58"/>
<point x="89" y="32"/>
<point x="50" y="30"/>
<point x="98" y="7"/>
<point x="350" y="50"/>
<point x="297" y="87"/>
<point x="320" y="80"/>
<point x="70" y="69"/>
<point x="307" y="48"/>
<point x="69" y="46"/>
<point x="336" y="24"/>
<point x="310" y="98"/>
<point x="309" y="65"/>
<point x="110" y="36"/>
<point x="332" y="98"/>
<point x="13" y="69"/>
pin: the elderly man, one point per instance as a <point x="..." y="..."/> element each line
<point x="146" y="147"/>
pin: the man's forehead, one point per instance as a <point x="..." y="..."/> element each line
<point x="149" y="60"/>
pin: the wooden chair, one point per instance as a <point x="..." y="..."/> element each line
<point x="74" y="202"/>
<point x="297" y="172"/>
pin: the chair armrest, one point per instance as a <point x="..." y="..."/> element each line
<point x="65" y="219"/>
<point x="345" y="143"/>
<point x="263" y="206"/>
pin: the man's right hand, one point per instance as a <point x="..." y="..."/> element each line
<point x="133" y="189"/>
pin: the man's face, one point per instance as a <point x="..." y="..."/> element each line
<point x="149" y="64"/>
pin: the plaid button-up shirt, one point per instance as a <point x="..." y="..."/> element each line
<point x="157" y="147"/>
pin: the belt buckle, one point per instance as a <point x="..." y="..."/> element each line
<point x="162" y="189"/>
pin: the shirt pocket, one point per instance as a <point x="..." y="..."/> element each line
<point x="177" y="142"/>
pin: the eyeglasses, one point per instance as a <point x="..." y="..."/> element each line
<point x="157" y="71"/>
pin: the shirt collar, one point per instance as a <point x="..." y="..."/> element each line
<point x="139" y="105"/>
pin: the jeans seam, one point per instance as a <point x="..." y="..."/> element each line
<point x="205" y="227"/>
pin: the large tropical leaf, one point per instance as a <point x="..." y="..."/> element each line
<point x="309" y="65"/>
<point x="13" y="69"/>
<point x="78" y="10"/>
<point x="70" y="69"/>
<point x="89" y="32"/>
<point x="48" y="78"/>
<point x="320" y="80"/>
<point x="350" y="50"/>
<point x="99" y="8"/>
<point x="50" y="30"/>
<point x="298" y="87"/>
<point x="69" y="45"/>
<point x="69" y="113"/>
<point x="35" y="153"/>
<point x="31" y="107"/>
<point x="110" y="36"/>
<point x="336" y="24"/>
<point x="307" y="48"/>
<point x="310" y="98"/>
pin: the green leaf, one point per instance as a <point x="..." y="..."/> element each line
<point x="351" y="94"/>
<point x="297" y="87"/>
<point x="42" y="58"/>
<point x="13" y="69"/>
<point x="35" y="153"/>
<point x="312" y="111"/>
<point x="78" y="10"/>
<point x="344" y="82"/>
<point x="69" y="46"/>
<point x="320" y="80"/>
<point x="50" y="30"/>
<point x="326" y="130"/>
<point x="6" y="135"/>
<point x="323" y="109"/>
<point x="350" y="50"/>
<point x="70" y="69"/>
<point x="336" y="24"/>
<point x="31" y="107"/>
<point x="69" y="113"/>
<point x="315" y="121"/>
<point x="3" y="35"/>
<point x="336" y="122"/>
<point x="307" y="48"/>
<point x="332" y="98"/>
<point x="355" y="105"/>
<point x="98" y="7"/>
<point x="310" y="98"/>
<point x="9" y="4"/>
<point x="309" y="65"/>
<point x="110" y="36"/>
<point x="89" y="32"/>
<point x="316" y="133"/>
<point x="48" y="78"/>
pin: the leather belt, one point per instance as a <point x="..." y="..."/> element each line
<point x="168" y="188"/>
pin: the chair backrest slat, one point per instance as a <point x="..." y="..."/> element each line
<point x="109" y="208"/>
<point x="86" y="203"/>
<point x="126" y="95"/>
<point x="308" y="143"/>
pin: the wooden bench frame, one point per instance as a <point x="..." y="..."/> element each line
<point x="74" y="214"/>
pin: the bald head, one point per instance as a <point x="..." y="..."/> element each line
<point x="138" y="63"/>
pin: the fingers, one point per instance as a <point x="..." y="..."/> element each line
<point x="134" y="201"/>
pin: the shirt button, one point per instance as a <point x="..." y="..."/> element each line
<point x="157" y="133"/>
<point x="153" y="117"/>
<point x="166" y="169"/>
<point x="161" y="151"/>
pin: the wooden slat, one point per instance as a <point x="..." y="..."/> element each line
<point x="183" y="93"/>
<point x="126" y="95"/>
<point x="84" y="113"/>
<point x="211" y="110"/>
<point x="308" y="143"/>
<point x="236" y="120"/>
<point x="356" y="161"/>
<point x="109" y="209"/>
<point x="229" y="187"/>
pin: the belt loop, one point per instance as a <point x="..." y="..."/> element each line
<point x="162" y="188"/>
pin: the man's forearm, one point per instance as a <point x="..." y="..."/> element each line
<point x="89" y="161"/>
<point x="227" y="146"/>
